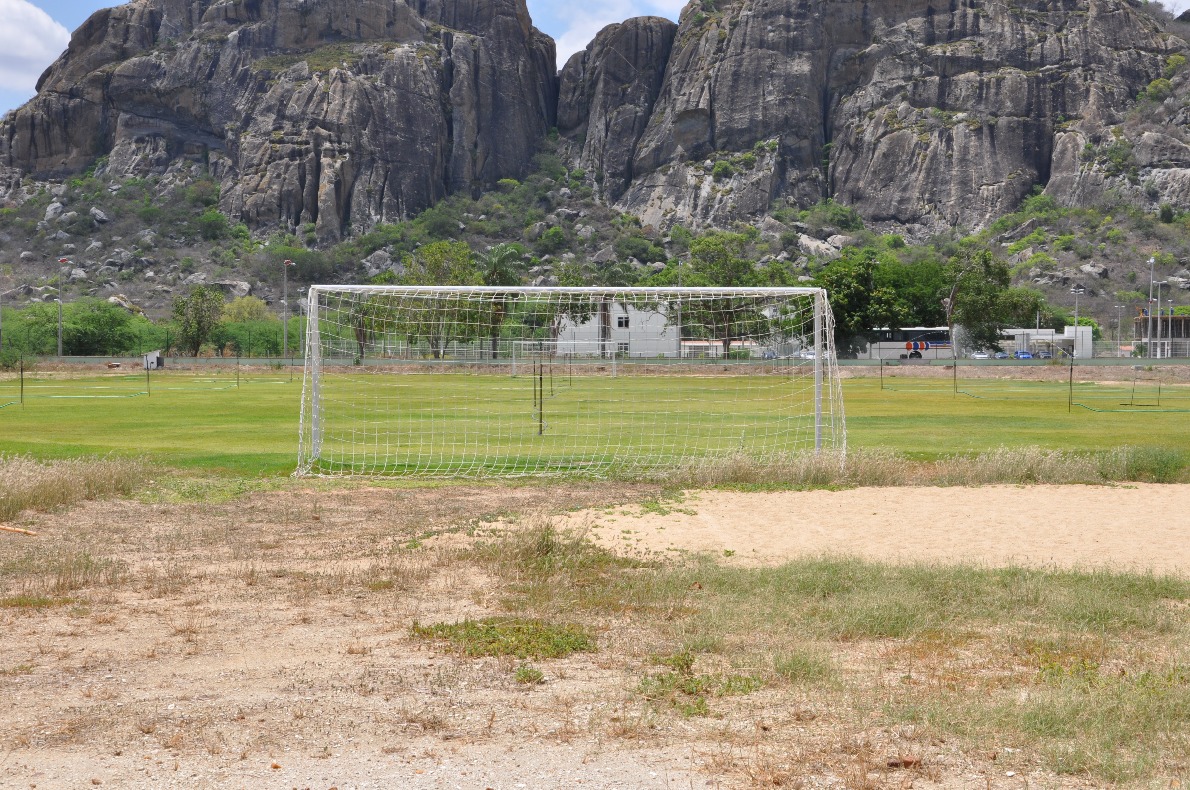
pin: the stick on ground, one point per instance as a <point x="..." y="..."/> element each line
<point x="18" y="531"/>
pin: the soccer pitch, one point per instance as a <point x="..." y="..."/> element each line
<point x="251" y="426"/>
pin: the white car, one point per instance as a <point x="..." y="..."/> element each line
<point x="981" y="355"/>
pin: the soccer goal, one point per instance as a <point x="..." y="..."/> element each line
<point x="473" y="381"/>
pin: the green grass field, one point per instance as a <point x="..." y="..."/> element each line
<point x="208" y="422"/>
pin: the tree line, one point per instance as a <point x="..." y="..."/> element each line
<point x="883" y="284"/>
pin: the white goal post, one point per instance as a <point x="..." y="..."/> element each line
<point x="501" y="381"/>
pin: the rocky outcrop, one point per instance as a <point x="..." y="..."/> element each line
<point x="324" y="112"/>
<point x="607" y="95"/>
<point x="959" y="114"/>
<point x="338" y="114"/>
<point x="911" y="112"/>
<point x="1144" y="160"/>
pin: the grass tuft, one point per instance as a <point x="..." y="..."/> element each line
<point x="61" y="571"/>
<point x="34" y="602"/>
<point x="529" y="675"/>
<point x="802" y="667"/>
<point x="523" y="639"/>
<point x="688" y="693"/>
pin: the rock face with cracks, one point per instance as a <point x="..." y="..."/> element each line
<point x="317" y="112"/>
<point x="910" y="111"/>
<point x="339" y="115"/>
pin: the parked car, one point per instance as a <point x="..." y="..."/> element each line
<point x="981" y="355"/>
<point x="1022" y="355"/>
<point x="1001" y="355"/>
<point x="1045" y="355"/>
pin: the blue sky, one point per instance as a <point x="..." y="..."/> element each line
<point x="34" y="32"/>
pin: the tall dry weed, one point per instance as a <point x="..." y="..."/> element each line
<point x="886" y="468"/>
<point x="28" y="484"/>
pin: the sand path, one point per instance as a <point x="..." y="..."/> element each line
<point x="1135" y="527"/>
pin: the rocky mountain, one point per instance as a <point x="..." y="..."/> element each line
<point x="335" y="116"/>
<point x="323" y="112"/>
<point x="911" y="111"/>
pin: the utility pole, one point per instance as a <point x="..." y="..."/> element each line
<point x="1119" y="321"/>
<point x="1158" y="319"/>
<point x="1169" y="333"/>
<point x="63" y="263"/>
<point x="1077" y="290"/>
<point x="1149" y="334"/>
<point x="285" y="308"/>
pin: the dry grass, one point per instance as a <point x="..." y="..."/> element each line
<point x="27" y="484"/>
<point x="887" y="468"/>
<point x="822" y="672"/>
<point x="1082" y="673"/>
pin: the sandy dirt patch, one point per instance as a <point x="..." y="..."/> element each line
<point x="1126" y="527"/>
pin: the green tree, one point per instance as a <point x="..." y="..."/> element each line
<point x="984" y="303"/>
<point x="196" y="316"/>
<point x="35" y="331"/>
<point x="95" y="327"/>
<point x="443" y="319"/>
<point x="213" y="225"/>
<point x="244" y="309"/>
<point x="498" y="267"/>
<point x="919" y="286"/>
<point x="859" y="301"/>
<point x="721" y="259"/>
<point x="441" y="263"/>
<point x="552" y="241"/>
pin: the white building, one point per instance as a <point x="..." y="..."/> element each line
<point x="1079" y="339"/>
<point x="632" y="332"/>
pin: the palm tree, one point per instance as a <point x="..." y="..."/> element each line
<point x="498" y="268"/>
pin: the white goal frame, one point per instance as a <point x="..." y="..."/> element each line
<point x="809" y="359"/>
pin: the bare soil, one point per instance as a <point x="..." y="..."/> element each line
<point x="265" y="642"/>
<point x="1133" y="527"/>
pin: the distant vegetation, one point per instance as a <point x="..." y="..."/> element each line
<point x="165" y="235"/>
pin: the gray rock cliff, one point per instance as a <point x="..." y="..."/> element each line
<point x="607" y="96"/>
<point x="310" y="111"/>
<point x="912" y="112"/>
<point x="342" y="114"/>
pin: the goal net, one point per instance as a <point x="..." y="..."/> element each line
<point x="472" y="381"/>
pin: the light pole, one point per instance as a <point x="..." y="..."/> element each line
<point x="1078" y="290"/>
<point x="285" y="308"/>
<point x="1169" y="334"/>
<point x="63" y="262"/>
<point x="1158" y="318"/>
<point x="1149" y="334"/>
<point x="1119" y="320"/>
<point x="948" y="305"/>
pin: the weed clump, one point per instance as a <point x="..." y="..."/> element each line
<point x="498" y="636"/>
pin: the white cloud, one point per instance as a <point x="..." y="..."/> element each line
<point x="30" y="40"/>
